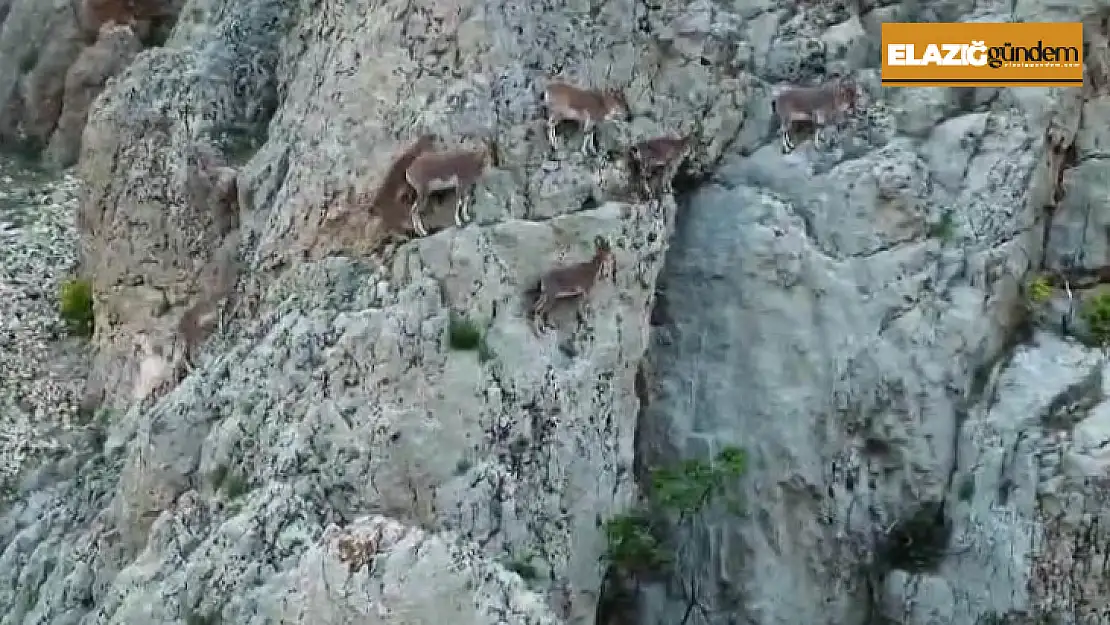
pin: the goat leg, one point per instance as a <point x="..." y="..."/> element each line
<point x="414" y="215"/>
<point x="539" y="322"/>
<point x="468" y="206"/>
<point x="552" y="132"/>
<point x="588" y="136"/>
<point x="460" y="208"/>
<point x="581" y="311"/>
<point x="539" y="312"/>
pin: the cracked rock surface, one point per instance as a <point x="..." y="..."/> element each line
<point x="42" y="371"/>
<point x="924" y="439"/>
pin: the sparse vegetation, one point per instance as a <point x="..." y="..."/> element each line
<point x="522" y="566"/>
<point x="462" y="466"/>
<point x="217" y="476"/>
<point x="235" y="486"/>
<point x="232" y="484"/>
<point x="485" y="353"/>
<point x="690" y="486"/>
<point x="644" y="542"/>
<point x="26" y="151"/>
<point x="28" y="62"/>
<point x="240" y="143"/>
<point x="75" y="306"/>
<point x="944" y="228"/>
<point x="991" y="618"/>
<point x="635" y="544"/>
<point x="1038" y="290"/>
<point x="637" y="541"/>
<point x="966" y="489"/>
<point x="197" y="618"/>
<point x="464" y="334"/>
<point x="1095" y="312"/>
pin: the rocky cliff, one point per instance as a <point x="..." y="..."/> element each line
<point x="293" y="417"/>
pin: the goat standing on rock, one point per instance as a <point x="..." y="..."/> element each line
<point x="818" y="105"/>
<point x="572" y="282"/>
<point x="566" y="102"/>
<point x="393" y="196"/>
<point x="458" y="170"/>
<point x="656" y="158"/>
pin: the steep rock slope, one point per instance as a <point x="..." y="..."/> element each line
<point x="334" y="458"/>
<point x="855" y="328"/>
<point x="334" y="393"/>
<point x="55" y="57"/>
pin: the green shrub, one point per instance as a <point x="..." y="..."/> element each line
<point x="944" y="228"/>
<point x="235" y="486"/>
<point x="75" y="306"/>
<point x="464" y="334"/>
<point x="690" y="486"/>
<point x="240" y="143"/>
<point x="200" y="618"/>
<point x="523" y="567"/>
<point x="633" y="545"/>
<point x="1095" y="312"/>
<point x="636" y="541"/>
<point x="231" y="483"/>
<point x="1039" y="289"/>
<point x="966" y="489"/>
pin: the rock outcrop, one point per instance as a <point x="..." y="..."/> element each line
<point x="293" y="428"/>
<point x="55" y="57"/>
<point x="114" y="49"/>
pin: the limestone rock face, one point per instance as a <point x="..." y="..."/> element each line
<point x="304" y="419"/>
<point x="114" y="49"/>
<point x="54" y="59"/>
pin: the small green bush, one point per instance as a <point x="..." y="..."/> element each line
<point x="966" y="489"/>
<point x="633" y="545"/>
<point x="690" y="486"/>
<point x="523" y="567"/>
<point x="75" y="306"/>
<point x="636" y="541"/>
<point x="199" y="618"/>
<point x="235" y="486"/>
<point x="1038" y="290"/>
<point x="231" y="483"/>
<point x="944" y="228"/>
<point x="1095" y="312"/>
<point x="464" y="334"/>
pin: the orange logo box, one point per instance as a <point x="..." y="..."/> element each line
<point x="1042" y="54"/>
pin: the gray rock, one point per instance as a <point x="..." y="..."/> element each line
<point x="114" y="50"/>
<point x="856" y="318"/>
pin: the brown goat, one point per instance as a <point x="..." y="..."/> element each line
<point x="655" y="158"/>
<point x="565" y="102"/>
<point x="570" y="282"/>
<point x="819" y="105"/>
<point x="431" y="172"/>
<point x="392" y="197"/>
